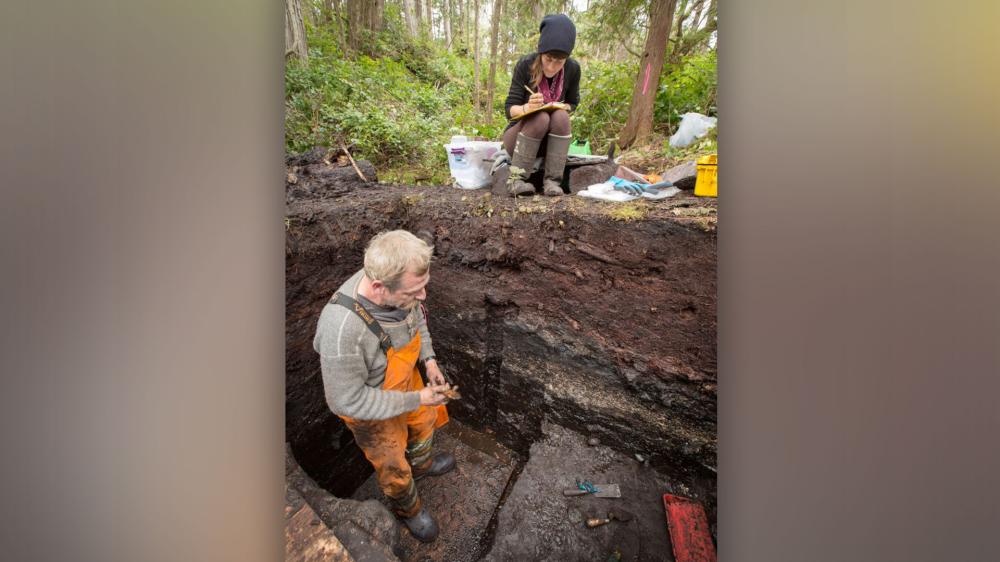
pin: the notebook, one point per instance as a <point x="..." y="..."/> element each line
<point x="551" y="106"/>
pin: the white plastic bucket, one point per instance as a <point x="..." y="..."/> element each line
<point x="469" y="162"/>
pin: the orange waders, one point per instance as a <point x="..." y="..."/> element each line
<point x="399" y="445"/>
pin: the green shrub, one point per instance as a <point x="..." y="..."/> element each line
<point x="402" y="101"/>
<point x="390" y="115"/>
<point x="689" y="87"/>
<point x="606" y="93"/>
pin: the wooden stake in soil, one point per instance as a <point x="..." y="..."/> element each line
<point x="351" y="158"/>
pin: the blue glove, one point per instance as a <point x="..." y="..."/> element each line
<point x="630" y="187"/>
<point x="636" y="188"/>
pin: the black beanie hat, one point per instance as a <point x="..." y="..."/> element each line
<point x="557" y="34"/>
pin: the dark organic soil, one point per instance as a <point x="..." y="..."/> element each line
<point x="541" y="310"/>
<point x="462" y="501"/>
<point x="539" y="523"/>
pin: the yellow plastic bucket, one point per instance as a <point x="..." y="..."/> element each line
<point x="707" y="184"/>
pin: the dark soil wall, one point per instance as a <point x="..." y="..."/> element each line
<point x="539" y="309"/>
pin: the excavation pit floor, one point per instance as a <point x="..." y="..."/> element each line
<point x="463" y="500"/>
<point x="496" y="506"/>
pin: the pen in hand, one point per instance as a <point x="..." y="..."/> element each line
<point x="530" y="92"/>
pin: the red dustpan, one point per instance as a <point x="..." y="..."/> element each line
<point x="689" y="532"/>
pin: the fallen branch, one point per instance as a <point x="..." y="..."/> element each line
<point x="353" y="163"/>
<point x="560" y="268"/>
<point x="594" y="252"/>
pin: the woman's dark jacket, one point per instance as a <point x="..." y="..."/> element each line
<point x="522" y="77"/>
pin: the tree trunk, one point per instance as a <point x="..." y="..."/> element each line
<point x="682" y="13"/>
<point x="491" y="81"/>
<point x="453" y="23"/>
<point x="408" y="17"/>
<point x="463" y="28"/>
<point x="377" y="21"/>
<point x="475" y="56"/>
<point x="510" y="45"/>
<point x="640" y="113"/>
<point x="327" y="12"/>
<point x="418" y="15"/>
<point x="696" y="22"/>
<point x="698" y="33"/>
<point x="295" y="31"/>
<point x="365" y="19"/>
<point x="430" y="18"/>
<point x="337" y="7"/>
<point x="307" y="12"/>
<point x="711" y="20"/>
<point x="354" y="11"/>
<point x="446" y="22"/>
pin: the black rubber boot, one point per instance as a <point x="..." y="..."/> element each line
<point x="442" y="463"/>
<point x="556" y="152"/>
<point x="521" y="163"/>
<point x="422" y="526"/>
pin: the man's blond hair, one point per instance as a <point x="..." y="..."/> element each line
<point x="391" y="254"/>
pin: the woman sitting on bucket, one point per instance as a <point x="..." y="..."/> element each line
<point x="546" y="76"/>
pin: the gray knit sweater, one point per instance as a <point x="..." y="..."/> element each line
<point x="353" y="364"/>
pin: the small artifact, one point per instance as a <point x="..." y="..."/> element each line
<point x="613" y="515"/>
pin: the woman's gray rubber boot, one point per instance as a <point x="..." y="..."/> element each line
<point x="521" y="163"/>
<point x="422" y="526"/>
<point x="556" y="152"/>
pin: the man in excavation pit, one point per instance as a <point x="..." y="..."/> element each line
<point x="370" y="338"/>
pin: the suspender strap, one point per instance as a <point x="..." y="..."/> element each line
<point x="354" y="306"/>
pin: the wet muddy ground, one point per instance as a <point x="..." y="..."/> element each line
<point x="537" y="522"/>
<point x="464" y="501"/>
<point x="548" y="313"/>
<point x="499" y="506"/>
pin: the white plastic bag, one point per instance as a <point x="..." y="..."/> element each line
<point x="606" y="191"/>
<point x="469" y="162"/>
<point x="693" y="126"/>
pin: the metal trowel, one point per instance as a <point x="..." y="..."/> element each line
<point x="613" y="514"/>
<point x="600" y="491"/>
